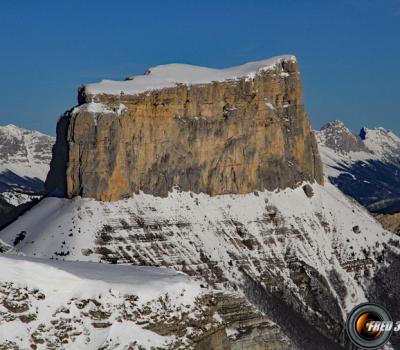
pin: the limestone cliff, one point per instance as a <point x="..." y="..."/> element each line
<point x="236" y="134"/>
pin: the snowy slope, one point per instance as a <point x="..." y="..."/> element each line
<point x="181" y="229"/>
<point x="79" y="305"/>
<point x="24" y="159"/>
<point x="50" y="223"/>
<point x="170" y="75"/>
<point x="365" y="166"/>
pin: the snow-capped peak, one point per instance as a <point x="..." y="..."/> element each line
<point x="11" y="130"/>
<point x="365" y="166"/>
<point x="24" y="154"/>
<point x="336" y="136"/>
<point x="382" y="142"/>
<point x="14" y="131"/>
<point x="334" y="124"/>
<point x="377" y="143"/>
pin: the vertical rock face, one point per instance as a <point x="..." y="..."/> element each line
<point x="246" y="131"/>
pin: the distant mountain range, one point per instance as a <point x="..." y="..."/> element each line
<point x="24" y="159"/>
<point x="364" y="166"/>
<point x="24" y="163"/>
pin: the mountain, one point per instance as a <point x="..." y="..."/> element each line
<point x="364" y="166"/>
<point x="24" y="163"/>
<point x="205" y="130"/>
<point x="24" y="159"/>
<point x="215" y="174"/>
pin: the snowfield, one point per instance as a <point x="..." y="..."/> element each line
<point x="75" y="305"/>
<point x="69" y="278"/>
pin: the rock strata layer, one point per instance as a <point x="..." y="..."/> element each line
<point x="235" y="136"/>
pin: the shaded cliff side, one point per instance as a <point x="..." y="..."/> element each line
<point x="227" y="131"/>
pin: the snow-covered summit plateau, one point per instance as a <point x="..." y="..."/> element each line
<point x="169" y="75"/>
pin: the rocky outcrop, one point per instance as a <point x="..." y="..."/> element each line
<point x="248" y="328"/>
<point x="390" y="222"/>
<point x="232" y="136"/>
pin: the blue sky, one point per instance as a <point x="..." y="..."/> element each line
<point x="348" y="50"/>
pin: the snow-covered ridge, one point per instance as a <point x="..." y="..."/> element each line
<point x="145" y="282"/>
<point x="16" y="198"/>
<point x="169" y="75"/>
<point x="12" y="131"/>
